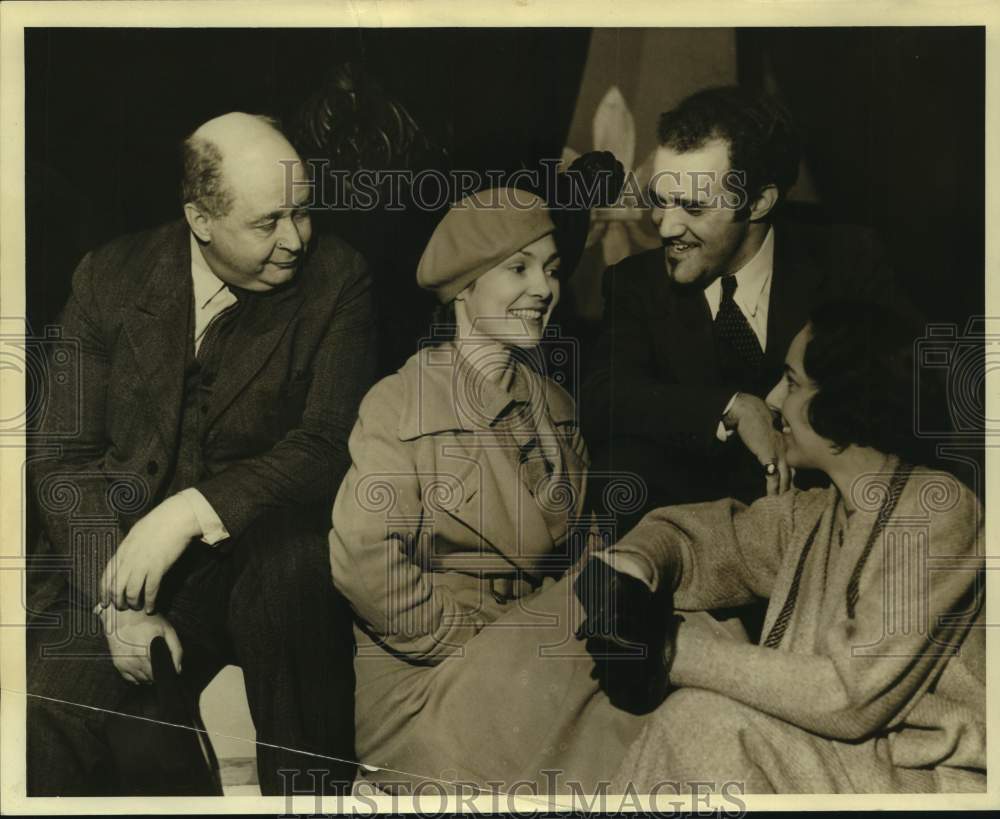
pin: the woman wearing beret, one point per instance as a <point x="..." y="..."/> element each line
<point x="455" y="528"/>
<point x="870" y="675"/>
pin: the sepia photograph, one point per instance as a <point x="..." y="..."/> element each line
<point x="416" y="409"/>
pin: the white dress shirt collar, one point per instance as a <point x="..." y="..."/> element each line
<point x="753" y="283"/>
<point x="211" y="294"/>
<point x="207" y="285"/>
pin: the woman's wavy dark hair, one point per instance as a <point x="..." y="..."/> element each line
<point x="861" y="357"/>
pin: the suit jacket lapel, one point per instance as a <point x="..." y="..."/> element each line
<point x="682" y="322"/>
<point x="158" y="327"/>
<point x="261" y="328"/>
<point x="684" y="340"/>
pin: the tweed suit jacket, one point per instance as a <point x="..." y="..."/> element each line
<point x="275" y="429"/>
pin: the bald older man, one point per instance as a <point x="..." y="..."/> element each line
<point x="223" y="358"/>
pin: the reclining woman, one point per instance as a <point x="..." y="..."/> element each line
<point x="870" y="675"/>
<point x="454" y="539"/>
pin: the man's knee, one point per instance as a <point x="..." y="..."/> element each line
<point x="280" y="550"/>
<point x="286" y="587"/>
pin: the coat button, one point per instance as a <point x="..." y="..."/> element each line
<point x="151" y="467"/>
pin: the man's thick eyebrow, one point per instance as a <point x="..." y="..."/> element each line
<point x="681" y="201"/>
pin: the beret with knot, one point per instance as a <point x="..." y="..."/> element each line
<point x="478" y="232"/>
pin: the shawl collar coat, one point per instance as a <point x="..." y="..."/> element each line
<point x="877" y="682"/>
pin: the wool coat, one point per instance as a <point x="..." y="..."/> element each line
<point x="870" y="676"/>
<point x="461" y="582"/>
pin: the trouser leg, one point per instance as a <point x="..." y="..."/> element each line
<point x="292" y="637"/>
<point x="73" y="689"/>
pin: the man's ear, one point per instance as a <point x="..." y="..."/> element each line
<point x="764" y="203"/>
<point x="199" y="222"/>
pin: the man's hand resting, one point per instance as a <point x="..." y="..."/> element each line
<point x="129" y="634"/>
<point x="752" y="420"/>
<point x="133" y="575"/>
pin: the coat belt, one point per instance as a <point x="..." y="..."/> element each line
<point x="503" y="589"/>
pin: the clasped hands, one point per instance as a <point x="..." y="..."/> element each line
<point x="629" y="630"/>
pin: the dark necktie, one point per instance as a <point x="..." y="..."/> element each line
<point x="218" y="328"/>
<point x="732" y="327"/>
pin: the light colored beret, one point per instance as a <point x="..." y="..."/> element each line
<point x="478" y="232"/>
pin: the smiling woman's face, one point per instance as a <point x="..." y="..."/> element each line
<point x="804" y="447"/>
<point x="512" y="302"/>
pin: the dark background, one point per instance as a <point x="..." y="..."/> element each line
<point x="894" y="121"/>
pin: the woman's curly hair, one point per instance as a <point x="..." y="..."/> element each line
<point x="860" y="355"/>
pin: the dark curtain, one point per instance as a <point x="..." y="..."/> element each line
<point x="894" y="126"/>
<point x="491" y="100"/>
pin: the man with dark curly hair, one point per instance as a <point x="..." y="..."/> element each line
<point x="694" y="332"/>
